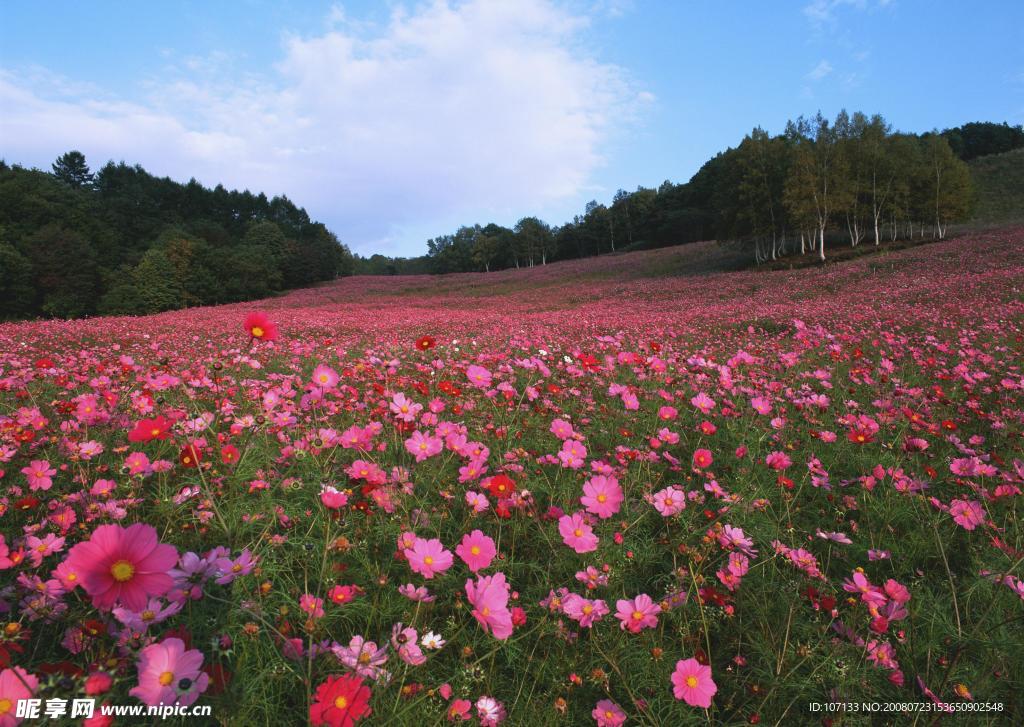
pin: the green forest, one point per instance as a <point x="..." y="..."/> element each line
<point x="74" y="243"/>
<point x="122" y="241"/>
<point x="847" y="181"/>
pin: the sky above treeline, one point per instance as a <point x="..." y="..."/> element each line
<point x="395" y="122"/>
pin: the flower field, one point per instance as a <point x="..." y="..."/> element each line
<point x="591" y="492"/>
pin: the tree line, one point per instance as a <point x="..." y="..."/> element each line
<point x="820" y="182"/>
<point x="74" y="243"/>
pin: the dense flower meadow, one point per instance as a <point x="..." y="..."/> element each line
<point x="591" y="493"/>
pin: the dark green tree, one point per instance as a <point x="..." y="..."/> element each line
<point x="71" y="169"/>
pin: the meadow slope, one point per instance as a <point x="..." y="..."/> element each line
<point x="625" y="488"/>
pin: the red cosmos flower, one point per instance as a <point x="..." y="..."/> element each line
<point x="44" y="363"/>
<point x="860" y="436"/>
<point x="190" y="455"/>
<point x="229" y="454"/>
<point x="260" y="326"/>
<point x="149" y="429"/>
<point x="501" y="486"/>
<point x="340" y="702"/>
<point x="425" y="343"/>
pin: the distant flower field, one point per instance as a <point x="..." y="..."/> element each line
<point x="589" y="493"/>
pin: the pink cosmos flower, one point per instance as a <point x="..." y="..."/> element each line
<point x="416" y="593"/>
<point x="576" y="533"/>
<point x="702" y="458"/>
<point x="39" y="474"/>
<point x="311" y="605"/>
<point x="476" y="550"/>
<point x="332" y="498"/>
<point x="602" y="496"/>
<point x="669" y="501"/>
<point x="692" y="683"/>
<point x="403" y="408"/>
<point x="324" y="377"/>
<point x="39" y="548"/>
<point x="15" y="684"/>
<point x="584" y="610"/>
<point x="428" y="557"/>
<point x="637" y="614"/>
<point x="562" y="429"/>
<point x="968" y="514"/>
<point x="477" y="501"/>
<point x="489" y="598"/>
<point x="761" y="405"/>
<point x="168" y="674"/>
<point x="421" y="446"/>
<point x="479" y="376"/>
<point x="608" y="714"/>
<point x="363" y="657"/>
<point x="778" y="461"/>
<point x="703" y="402"/>
<point x="573" y="454"/>
<point x="490" y="711"/>
<point x="123" y="565"/>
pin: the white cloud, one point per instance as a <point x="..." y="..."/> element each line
<point x="820" y="71"/>
<point x="448" y="111"/>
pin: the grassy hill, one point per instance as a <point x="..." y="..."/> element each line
<point x="999" y="186"/>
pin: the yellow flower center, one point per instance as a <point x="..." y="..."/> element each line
<point x="341" y="703"/>
<point x="587" y="609"/>
<point x="364" y="658"/>
<point x="602" y="498"/>
<point x="122" y="571"/>
<point x="5" y="705"/>
<point x="147" y="615"/>
<point x="486" y="611"/>
<point x="428" y="560"/>
<point x="166" y="678"/>
<point x="236" y="568"/>
<point x="638" y="615"/>
<point x="257" y="332"/>
<point x="578" y="533"/>
<point x="691" y="681"/>
<point x="475" y="550"/>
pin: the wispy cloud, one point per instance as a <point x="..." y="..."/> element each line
<point x="484" y="107"/>
<point x="820" y="71"/>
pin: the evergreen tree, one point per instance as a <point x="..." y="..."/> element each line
<point x="71" y="169"/>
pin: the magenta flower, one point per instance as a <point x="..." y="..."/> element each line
<point x="692" y="683"/>
<point x="637" y="614"/>
<point x="778" y="461"/>
<point x="363" y="657"/>
<point x="168" y="674"/>
<point x="479" y="376"/>
<point x="39" y="474"/>
<point x="429" y="557"/>
<point x="968" y="514"/>
<point x="422" y="447"/>
<point x="15" y="684"/>
<point x="602" y="496"/>
<point x="573" y="454"/>
<point x="123" y="565"/>
<point x="576" y="533"/>
<point x="584" y="610"/>
<point x="669" y="501"/>
<point x="489" y="598"/>
<point x="476" y="550"/>
<point x="608" y="714"/>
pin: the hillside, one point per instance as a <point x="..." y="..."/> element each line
<point x="548" y="492"/>
<point x="998" y="187"/>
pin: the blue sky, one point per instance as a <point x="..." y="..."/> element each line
<point x="394" y="122"/>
